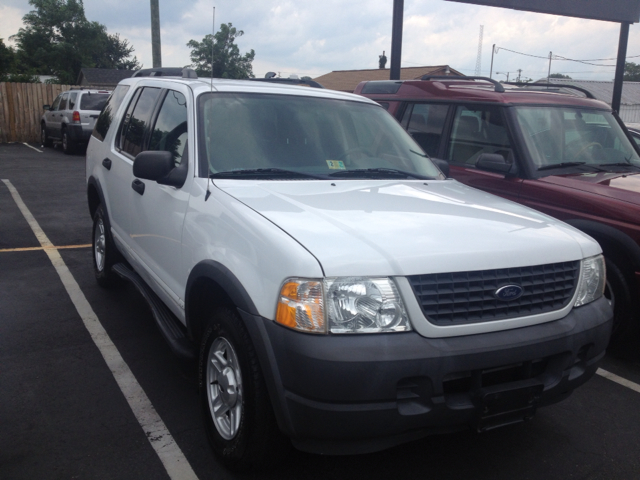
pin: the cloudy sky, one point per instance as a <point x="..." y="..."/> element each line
<point x="314" y="38"/>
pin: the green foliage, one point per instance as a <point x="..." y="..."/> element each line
<point x="19" y="78"/>
<point x="559" y="75"/>
<point x="631" y="72"/>
<point x="227" y="61"/>
<point x="7" y="57"/>
<point x="57" y="39"/>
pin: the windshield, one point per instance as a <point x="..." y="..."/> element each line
<point x="280" y="136"/>
<point x="568" y="136"/>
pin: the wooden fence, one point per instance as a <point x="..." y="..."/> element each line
<point x="21" y="109"/>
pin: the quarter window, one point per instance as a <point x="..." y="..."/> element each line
<point x="106" y="117"/>
<point x="170" y="130"/>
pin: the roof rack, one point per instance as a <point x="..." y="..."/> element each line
<point x="166" y="72"/>
<point x="293" y="80"/>
<point x="497" y="85"/>
<point x="555" y="86"/>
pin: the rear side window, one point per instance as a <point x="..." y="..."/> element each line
<point x="425" y="123"/>
<point x="170" y="131"/>
<point x="106" y="117"/>
<point x="93" y="101"/>
<point x="63" y="102"/>
<point x="137" y="123"/>
<point x="478" y="130"/>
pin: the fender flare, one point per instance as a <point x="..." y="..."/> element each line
<point x="92" y="182"/>
<point x="612" y="236"/>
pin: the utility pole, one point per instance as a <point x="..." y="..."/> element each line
<point x="549" y="72"/>
<point x="156" y="50"/>
<point x="493" y="50"/>
<point x="519" y="72"/>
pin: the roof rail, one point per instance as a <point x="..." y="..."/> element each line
<point x="554" y="85"/>
<point x="166" y="72"/>
<point x="288" y="81"/>
<point x="497" y="85"/>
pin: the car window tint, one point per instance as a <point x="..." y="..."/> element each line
<point x="425" y="123"/>
<point x="106" y="117"/>
<point x="478" y="130"/>
<point x="73" y="97"/>
<point x="63" y="101"/>
<point x="170" y="130"/>
<point x="93" y="101"/>
<point x="56" y="102"/>
<point x="138" y="122"/>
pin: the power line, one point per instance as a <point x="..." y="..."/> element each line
<point x="560" y="57"/>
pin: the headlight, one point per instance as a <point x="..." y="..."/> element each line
<point x="342" y="305"/>
<point x="592" y="280"/>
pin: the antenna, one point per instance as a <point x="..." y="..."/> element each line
<point x="479" y="59"/>
<point x="213" y="37"/>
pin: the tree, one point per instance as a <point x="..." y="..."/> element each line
<point x="227" y="61"/>
<point x="57" y="39"/>
<point x="7" y="56"/>
<point x="631" y="72"/>
<point x="559" y="75"/>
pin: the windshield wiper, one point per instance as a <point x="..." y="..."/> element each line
<point x="377" y="173"/>
<point x="619" y="164"/>
<point x="560" y="165"/>
<point x="265" y="172"/>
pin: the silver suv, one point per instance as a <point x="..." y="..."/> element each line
<point x="71" y="118"/>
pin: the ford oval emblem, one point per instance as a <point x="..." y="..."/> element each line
<point x="509" y="293"/>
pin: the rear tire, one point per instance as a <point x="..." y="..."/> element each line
<point x="45" y="141"/>
<point x="68" y="145"/>
<point x="239" y="420"/>
<point x="105" y="253"/>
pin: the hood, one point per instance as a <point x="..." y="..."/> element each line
<point x="621" y="186"/>
<point x="373" y="227"/>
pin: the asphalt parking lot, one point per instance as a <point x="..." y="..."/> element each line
<point x="63" y="413"/>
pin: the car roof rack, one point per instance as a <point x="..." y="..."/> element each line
<point x="166" y="72"/>
<point x="292" y="80"/>
<point x="497" y="85"/>
<point x="556" y="86"/>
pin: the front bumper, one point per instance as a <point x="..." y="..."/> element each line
<point x="344" y="394"/>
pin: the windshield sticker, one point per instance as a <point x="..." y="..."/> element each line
<point x="336" y="165"/>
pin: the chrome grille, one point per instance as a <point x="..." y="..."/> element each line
<point x="468" y="297"/>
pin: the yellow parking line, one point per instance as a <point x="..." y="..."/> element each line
<point x="52" y="247"/>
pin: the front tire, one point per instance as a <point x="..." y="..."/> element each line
<point x="239" y="421"/>
<point x="105" y="254"/>
<point x="68" y="145"/>
<point x="625" y="334"/>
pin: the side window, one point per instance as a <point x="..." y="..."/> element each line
<point x="72" y="100"/>
<point x="137" y="123"/>
<point x="63" y="102"/>
<point x="106" y="117"/>
<point x="478" y="130"/>
<point x="56" y="102"/>
<point x="170" y="130"/>
<point x="425" y="123"/>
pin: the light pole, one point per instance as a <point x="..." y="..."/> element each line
<point x="504" y="73"/>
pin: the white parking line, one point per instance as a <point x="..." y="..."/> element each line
<point x="622" y="381"/>
<point x="25" y="143"/>
<point x="174" y="461"/>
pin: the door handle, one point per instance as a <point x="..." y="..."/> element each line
<point x="138" y="186"/>
<point x="106" y="163"/>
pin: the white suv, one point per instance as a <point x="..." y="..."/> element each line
<point x="336" y="288"/>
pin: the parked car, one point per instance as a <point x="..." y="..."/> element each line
<point x="71" y="118"/>
<point x="634" y="130"/>
<point x="335" y="288"/>
<point x="565" y="155"/>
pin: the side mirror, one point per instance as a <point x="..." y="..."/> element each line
<point x="153" y="164"/>
<point x="46" y="107"/>
<point x="493" y="162"/>
<point x="443" y="165"/>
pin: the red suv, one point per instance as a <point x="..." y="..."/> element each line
<point x="567" y="155"/>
